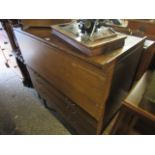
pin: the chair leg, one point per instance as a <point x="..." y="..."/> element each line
<point x="117" y="123"/>
<point x="124" y="122"/>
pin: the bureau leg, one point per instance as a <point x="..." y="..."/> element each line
<point x="118" y="123"/>
<point x="124" y="122"/>
<point x="38" y="95"/>
<point x="43" y="101"/>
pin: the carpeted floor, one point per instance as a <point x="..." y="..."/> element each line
<point x="21" y="112"/>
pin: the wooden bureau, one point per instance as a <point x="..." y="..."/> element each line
<point x="85" y="91"/>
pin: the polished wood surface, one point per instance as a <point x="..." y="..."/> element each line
<point x="86" y="82"/>
<point x="100" y="61"/>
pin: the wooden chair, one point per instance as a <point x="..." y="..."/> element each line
<point x="137" y="114"/>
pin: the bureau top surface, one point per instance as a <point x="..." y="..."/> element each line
<point x="45" y="35"/>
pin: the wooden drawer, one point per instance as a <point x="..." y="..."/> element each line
<point x="80" y="120"/>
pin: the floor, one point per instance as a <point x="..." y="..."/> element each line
<point x="21" y="112"/>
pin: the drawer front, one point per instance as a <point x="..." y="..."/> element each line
<point x="82" y="83"/>
<point x="80" y="120"/>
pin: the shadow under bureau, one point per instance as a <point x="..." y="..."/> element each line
<point x="85" y="91"/>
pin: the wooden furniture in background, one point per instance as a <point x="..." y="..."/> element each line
<point x="142" y="27"/>
<point x="15" y="52"/>
<point x="146" y="58"/>
<point x="133" y="28"/>
<point x="136" y="117"/>
<point x="85" y="91"/>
